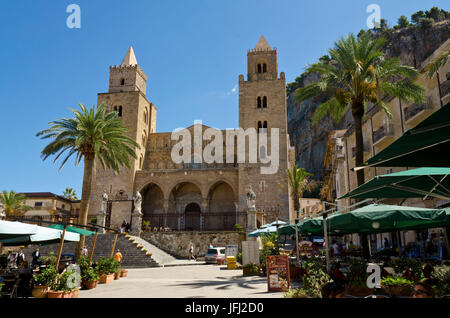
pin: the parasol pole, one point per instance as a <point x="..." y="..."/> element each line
<point x="93" y="246"/>
<point x="114" y="245"/>
<point x="61" y="243"/>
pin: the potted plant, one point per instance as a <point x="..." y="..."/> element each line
<point x="116" y="269"/>
<point x="59" y="288"/>
<point x="89" y="278"/>
<point x="397" y="286"/>
<point x="357" y="278"/>
<point x="106" y="270"/>
<point x="250" y="270"/>
<point x="43" y="281"/>
<point x="441" y="275"/>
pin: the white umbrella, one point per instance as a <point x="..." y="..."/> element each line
<point x="9" y="230"/>
<point x="44" y="235"/>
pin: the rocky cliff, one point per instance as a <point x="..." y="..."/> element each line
<point x="412" y="45"/>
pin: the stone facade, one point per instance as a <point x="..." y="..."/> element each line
<point x="177" y="243"/>
<point x="198" y="195"/>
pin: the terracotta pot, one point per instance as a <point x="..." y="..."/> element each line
<point x="116" y="276"/>
<point x="398" y="290"/>
<point x="123" y="273"/>
<point x="75" y="293"/>
<point x="40" y="291"/>
<point x="89" y="284"/>
<point x="105" y="279"/>
<point x="360" y="292"/>
<point x="55" y="294"/>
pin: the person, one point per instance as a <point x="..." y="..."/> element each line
<point x="84" y="251"/>
<point x="428" y="270"/>
<point x="191" y="252"/>
<point x="335" y="248"/>
<point x="118" y="256"/>
<point x="25" y="276"/>
<point x="128" y="227"/>
<point x="123" y="227"/>
<point x="11" y="258"/>
<point x="20" y="258"/>
<point x="386" y="243"/>
<point x="423" y="290"/>
<point x="36" y="255"/>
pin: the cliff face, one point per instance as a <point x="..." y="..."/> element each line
<point x="412" y="45"/>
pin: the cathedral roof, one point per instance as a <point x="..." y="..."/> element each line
<point x="262" y="44"/>
<point x="130" y="58"/>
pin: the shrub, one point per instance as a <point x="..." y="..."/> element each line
<point x="239" y="258"/>
<point x="442" y="275"/>
<point x="106" y="265"/>
<point x="90" y="274"/>
<point x="297" y="293"/>
<point x="403" y="264"/>
<point x="50" y="259"/>
<point x="396" y="281"/>
<point x="238" y="228"/>
<point x="46" y="277"/>
<point x="426" y="23"/>
<point x="251" y="270"/>
<point x="315" y="277"/>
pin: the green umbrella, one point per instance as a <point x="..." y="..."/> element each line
<point x="44" y="235"/>
<point x="72" y="229"/>
<point x="421" y="182"/>
<point x="9" y="230"/>
<point x="379" y="218"/>
<point x="425" y="145"/>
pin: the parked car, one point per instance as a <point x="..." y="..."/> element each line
<point x="215" y="253"/>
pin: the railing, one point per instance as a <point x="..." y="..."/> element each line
<point x="383" y="131"/>
<point x="196" y="221"/>
<point x="41" y="219"/>
<point x="413" y="109"/>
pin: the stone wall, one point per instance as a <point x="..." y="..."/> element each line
<point x="177" y="243"/>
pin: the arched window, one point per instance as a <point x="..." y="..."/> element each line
<point x="264" y="68"/>
<point x="141" y="161"/>
<point x="146" y="116"/>
<point x="265" y="125"/>
<point x="120" y="111"/>
<point x="259" y="104"/>
<point x="122" y="81"/>
<point x="264" y="103"/>
<point x="259" y="68"/>
<point x="259" y="126"/>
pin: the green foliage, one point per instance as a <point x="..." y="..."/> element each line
<point x="315" y="277"/>
<point x="270" y="247"/>
<point x="106" y="265"/>
<point x="292" y="87"/>
<point x="250" y="270"/>
<point x="239" y="258"/>
<point x="70" y="193"/>
<point x="93" y="221"/>
<point x="46" y="277"/>
<point x="90" y="274"/>
<point x="297" y="293"/>
<point x="426" y="23"/>
<point x="13" y="202"/>
<point x="313" y="189"/>
<point x="436" y="14"/>
<point x="145" y="225"/>
<point x="116" y="266"/>
<point x="61" y="283"/>
<point x="50" y="259"/>
<point x="415" y="17"/>
<point x="396" y="281"/>
<point x="357" y="276"/>
<point x="442" y="275"/>
<point x="298" y="179"/>
<point x="238" y="228"/>
<point x="402" y="22"/>
<point x="414" y="265"/>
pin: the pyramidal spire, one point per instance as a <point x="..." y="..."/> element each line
<point x="262" y="44"/>
<point x="130" y="58"/>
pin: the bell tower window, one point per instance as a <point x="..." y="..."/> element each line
<point x="264" y="102"/>
<point x="120" y="111"/>
<point x="259" y="68"/>
<point x="264" y="68"/>
<point x="259" y="104"/>
<point x="122" y="82"/>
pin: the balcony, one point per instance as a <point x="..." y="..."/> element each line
<point x="384" y="135"/>
<point x="415" y="113"/>
<point x="445" y="88"/>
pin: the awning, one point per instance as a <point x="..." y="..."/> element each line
<point x="274" y="223"/>
<point x="262" y="231"/>
<point x="43" y="236"/>
<point x="72" y="229"/>
<point x="415" y="183"/>
<point x="378" y="218"/>
<point x="425" y="145"/>
<point x="9" y="230"/>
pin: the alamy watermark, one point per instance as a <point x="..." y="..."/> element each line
<point x="374" y="19"/>
<point x="213" y="152"/>
<point x="74" y="19"/>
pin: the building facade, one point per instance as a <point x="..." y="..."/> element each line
<point x="194" y="194"/>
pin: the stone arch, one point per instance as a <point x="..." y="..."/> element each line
<point x="184" y="193"/>
<point x="221" y="197"/>
<point x="152" y="200"/>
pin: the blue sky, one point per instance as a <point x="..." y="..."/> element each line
<point x="192" y="52"/>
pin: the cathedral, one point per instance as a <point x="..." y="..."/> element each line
<point x="195" y="195"/>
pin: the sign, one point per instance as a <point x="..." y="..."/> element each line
<point x="277" y="267"/>
<point x="250" y="252"/>
<point x="306" y="248"/>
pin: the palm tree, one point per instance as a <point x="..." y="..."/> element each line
<point x="359" y="73"/>
<point x="70" y="194"/>
<point x="13" y="203"/>
<point x="434" y="66"/>
<point x="93" y="135"/>
<point x="298" y="179"/>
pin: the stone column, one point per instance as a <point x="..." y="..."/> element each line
<point x="204" y="210"/>
<point x="165" y="210"/>
<point x="251" y="221"/>
<point x="101" y="220"/>
<point x="136" y="223"/>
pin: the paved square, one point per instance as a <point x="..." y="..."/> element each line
<point x="183" y="282"/>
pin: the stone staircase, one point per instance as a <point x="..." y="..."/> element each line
<point x="133" y="256"/>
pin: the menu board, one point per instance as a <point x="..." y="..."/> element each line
<point x="277" y="267"/>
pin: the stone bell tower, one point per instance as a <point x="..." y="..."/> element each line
<point x="262" y="105"/>
<point x="126" y="96"/>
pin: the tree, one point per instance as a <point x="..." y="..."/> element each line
<point x="298" y="179"/>
<point x="357" y="74"/>
<point x="415" y="17"/>
<point x="71" y="194"/>
<point x="436" y="14"/>
<point x="92" y="135"/>
<point x="403" y="22"/>
<point x="434" y="66"/>
<point x="13" y="203"/>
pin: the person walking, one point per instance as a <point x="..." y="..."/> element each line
<point x="20" y="258"/>
<point x="118" y="256"/>
<point x="191" y="252"/>
<point x="84" y="251"/>
<point x="36" y="255"/>
<point x="11" y="258"/>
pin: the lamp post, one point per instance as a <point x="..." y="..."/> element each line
<point x="296" y="241"/>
